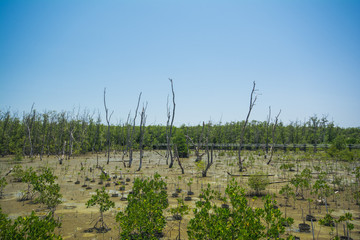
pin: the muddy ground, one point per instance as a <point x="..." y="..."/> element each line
<point x="77" y="219"/>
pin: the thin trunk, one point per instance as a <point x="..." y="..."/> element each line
<point x="142" y="132"/>
<point x="178" y="159"/>
<point x="133" y="133"/>
<point x="108" y="128"/>
<point x="252" y="103"/>
<point x="172" y="122"/>
<point x="273" y="138"/>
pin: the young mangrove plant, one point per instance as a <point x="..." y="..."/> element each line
<point x="143" y="217"/>
<point x="102" y="200"/>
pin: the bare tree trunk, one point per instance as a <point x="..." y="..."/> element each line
<point x="197" y="146"/>
<point x="44" y="134"/>
<point x="267" y="132"/>
<point x="133" y="133"/>
<point x="29" y="120"/>
<point x="108" y="127"/>
<point x="168" y="147"/>
<point x="172" y="122"/>
<point x="178" y="159"/>
<point x="252" y="103"/>
<point x="209" y="159"/>
<point x="273" y="137"/>
<point x="127" y="140"/>
<point x="142" y="132"/>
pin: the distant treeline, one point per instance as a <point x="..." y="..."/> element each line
<point x="58" y="133"/>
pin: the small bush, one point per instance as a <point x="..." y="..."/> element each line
<point x="258" y="182"/>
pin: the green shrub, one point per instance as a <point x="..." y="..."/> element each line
<point x="180" y="141"/>
<point x="258" y="182"/>
<point x="28" y="227"/>
<point x="143" y="217"/>
<point x="240" y="221"/>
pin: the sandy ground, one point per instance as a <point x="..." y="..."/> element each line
<point x="77" y="219"/>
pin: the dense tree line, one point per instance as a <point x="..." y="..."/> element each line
<point x="71" y="133"/>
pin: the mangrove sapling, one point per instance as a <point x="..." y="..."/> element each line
<point x="322" y="190"/>
<point x="28" y="227"/>
<point x="301" y="181"/>
<point x="102" y="200"/>
<point x="30" y="177"/>
<point x="237" y="222"/>
<point x="77" y="179"/>
<point x="189" y="193"/>
<point x="178" y="189"/>
<point x="3" y="184"/>
<point x="347" y="217"/>
<point x="258" y="182"/>
<point x="287" y="191"/>
<point x="143" y="217"/>
<point x="49" y="191"/>
<point x="178" y="213"/>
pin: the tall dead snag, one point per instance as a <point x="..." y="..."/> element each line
<point x="45" y="124"/>
<point x="142" y="131"/>
<point x="197" y="146"/>
<point x="168" y="114"/>
<point x="126" y="139"/>
<point x="28" y="122"/>
<point x="71" y="128"/>
<point x="168" y="137"/>
<point x="267" y="132"/>
<point x="273" y="137"/>
<point x="178" y="159"/>
<point x="209" y="155"/>
<point x="130" y="140"/>
<point x="253" y="99"/>
<point x="108" y="117"/>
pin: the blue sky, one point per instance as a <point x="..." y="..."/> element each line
<point x="303" y="55"/>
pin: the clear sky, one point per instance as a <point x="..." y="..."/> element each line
<point x="303" y="55"/>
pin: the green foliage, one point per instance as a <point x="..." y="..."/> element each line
<point x="328" y="220"/>
<point x="18" y="156"/>
<point x="3" y="184"/>
<point x="302" y="181"/>
<point x="240" y="221"/>
<point x="180" y="141"/>
<point x="181" y="208"/>
<point x="42" y="183"/>
<point x="28" y="227"/>
<point x="320" y="187"/>
<point x="49" y="130"/>
<point x="143" y="217"/>
<point x="287" y="166"/>
<point x="258" y="182"/>
<point x="287" y="191"/>
<point x="101" y="199"/>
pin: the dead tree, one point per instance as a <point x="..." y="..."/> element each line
<point x="28" y="122"/>
<point x="273" y="137"/>
<point x="253" y="99"/>
<point x="197" y="146"/>
<point x="267" y="132"/>
<point x="142" y="132"/>
<point x="108" y="117"/>
<point x="130" y="140"/>
<point x="171" y="126"/>
<point x="209" y="155"/>
<point x="71" y="129"/>
<point x="126" y="139"/>
<point x="178" y="159"/>
<point x="168" y="114"/>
